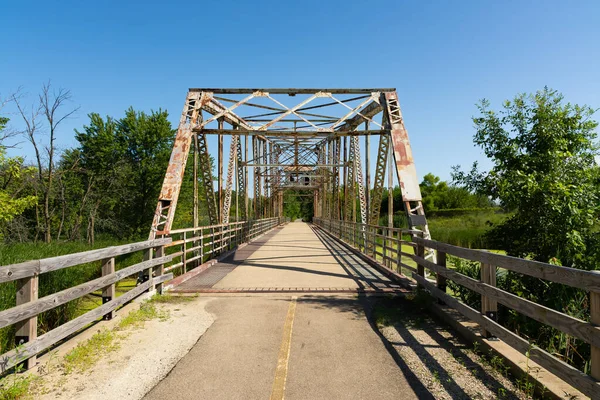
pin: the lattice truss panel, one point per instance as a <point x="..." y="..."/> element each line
<point x="306" y="140"/>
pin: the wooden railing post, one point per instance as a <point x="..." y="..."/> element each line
<point x="201" y="246"/>
<point x="160" y="269"/>
<point x="595" y="319"/>
<point x="441" y="280"/>
<point x="147" y="273"/>
<point x="399" y="252"/>
<point x="384" y="246"/>
<point x="183" y="255"/>
<point x="108" y="293"/>
<point x="489" y="307"/>
<point x="27" y="291"/>
<point x="420" y="267"/>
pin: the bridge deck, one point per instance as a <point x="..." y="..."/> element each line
<point x="296" y="257"/>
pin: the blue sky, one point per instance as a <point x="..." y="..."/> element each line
<point x="442" y="56"/>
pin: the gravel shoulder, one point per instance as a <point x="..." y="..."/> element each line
<point x="447" y="367"/>
<point x="145" y="355"/>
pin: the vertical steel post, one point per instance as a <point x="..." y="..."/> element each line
<point x="220" y="173"/>
<point x="368" y="170"/>
<point x="246" y="177"/>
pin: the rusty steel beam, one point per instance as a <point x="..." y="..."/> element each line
<point x="229" y="184"/>
<point x="323" y="133"/>
<point x="369" y="111"/>
<point x="167" y="199"/>
<point x="241" y="180"/>
<point x="220" y="172"/>
<point x="207" y="180"/>
<point x="405" y="164"/>
<point x="291" y="91"/>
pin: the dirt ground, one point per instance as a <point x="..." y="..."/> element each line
<point x="143" y="358"/>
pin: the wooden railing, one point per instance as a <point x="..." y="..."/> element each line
<point x="151" y="274"/>
<point x="29" y="306"/>
<point x="369" y="239"/>
<point x="192" y="246"/>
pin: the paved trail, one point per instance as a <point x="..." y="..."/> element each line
<point x="308" y="346"/>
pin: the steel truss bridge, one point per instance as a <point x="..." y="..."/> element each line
<point x="292" y="139"/>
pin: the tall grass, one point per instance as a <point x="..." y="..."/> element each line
<point x="465" y="230"/>
<point x="54" y="281"/>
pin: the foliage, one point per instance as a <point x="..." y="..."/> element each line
<point x="542" y="152"/>
<point x="122" y="166"/>
<point x="438" y="195"/>
<point x="544" y="170"/>
<point x="466" y="230"/>
<point x="298" y="205"/>
<point x="12" y="175"/>
<point x="87" y="353"/>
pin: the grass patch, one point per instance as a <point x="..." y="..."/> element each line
<point x="15" y="386"/>
<point x="465" y="230"/>
<point x="55" y="281"/>
<point x="170" y="299"/>
<point x="86" y="354"/>
<point x="137" y="318"/>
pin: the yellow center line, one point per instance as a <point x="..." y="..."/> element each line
<point x="278" y="391"/>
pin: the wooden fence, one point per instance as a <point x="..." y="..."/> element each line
<point x="156" y="269"/>
<point x="385" y="244"/>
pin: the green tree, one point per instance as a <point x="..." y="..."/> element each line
<point x="122" y="164"/>
<point x="439" y="195"/>
<point x="12" y="174"/>
<point x="543" y="153"/>
<point x="148" y="141"/>
<point x="105" y="176"/>
<point x="432" y="189"/>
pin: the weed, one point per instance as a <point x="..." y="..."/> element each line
<point x="137" y="318"/>
<point x="87" y="353"/>
<point x="497" y="363"/>
<point x="170" y="299"/>
<point x="15" y="386"/>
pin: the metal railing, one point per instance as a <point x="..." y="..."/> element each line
<point x="191" y="247"/>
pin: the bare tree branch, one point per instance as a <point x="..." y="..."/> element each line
<point x="8" y="132"/>
<point x="50" y="104"/>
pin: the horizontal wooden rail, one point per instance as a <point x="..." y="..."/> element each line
<point x="29" y="306"/>
<point x="30" y="349"/>
<point x="384" y="244"/>
<point x="27" y="310"/>
<point x="30" y="268"/>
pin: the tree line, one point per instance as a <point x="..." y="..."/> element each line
<point x="108" y="183"/>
